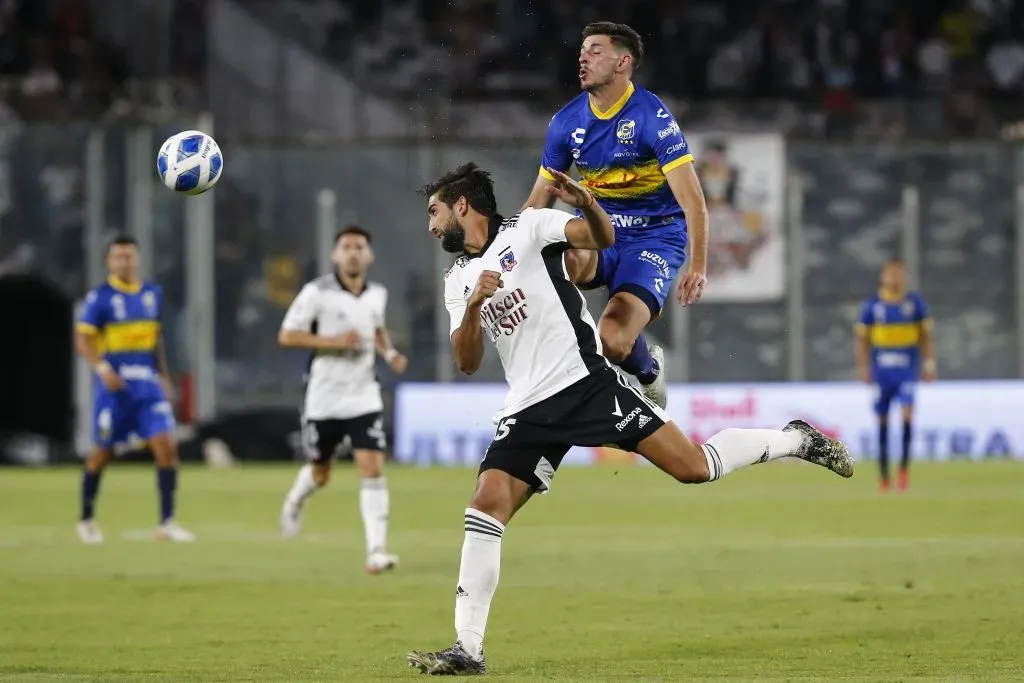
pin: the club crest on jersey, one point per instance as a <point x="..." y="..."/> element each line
<point x="625" y="131"/>
<point x="507" y="260"/>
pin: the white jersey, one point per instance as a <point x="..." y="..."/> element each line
<point x="341" y="384"/>
<point x="538" y="320"/>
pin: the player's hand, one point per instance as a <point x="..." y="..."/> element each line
<point x="487" y="284"/>
<point x="691" y="287"/>
<point x="865" y="376"/>
<point x="399" y="363"/>
<point x="570" y="191"/>
<point x="346" y="341"/>
<point x="111" y="380"/>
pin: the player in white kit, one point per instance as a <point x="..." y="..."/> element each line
<point x="340" y="318"/>
<point x="511" y="285"/>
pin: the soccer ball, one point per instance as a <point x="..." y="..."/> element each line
<point x="190" y="162"/>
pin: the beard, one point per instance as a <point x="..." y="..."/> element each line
<point x="453" y="238"/>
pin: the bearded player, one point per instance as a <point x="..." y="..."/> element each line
<point x="509" y="285"/>
<point x="633" y="158"/>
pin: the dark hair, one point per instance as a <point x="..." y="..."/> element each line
<point x="122" y="241"/>
<point x="354" y="230"/>
<point x="469" y="181"/>
<point x="621" y="35"/>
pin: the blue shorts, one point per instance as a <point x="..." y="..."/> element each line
<point x="895" y="389"/>
<point x="140" y="409"/>
<point x="645" y="266"/>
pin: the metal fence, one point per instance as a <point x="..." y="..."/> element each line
<point x="231" y="262"/>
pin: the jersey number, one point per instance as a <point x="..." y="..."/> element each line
<point x="503" y="428"/>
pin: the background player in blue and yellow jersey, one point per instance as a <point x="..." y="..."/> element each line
<point x="633" y="158"/>
<point x="894" y="347"/>
<point x="119" y="335"/>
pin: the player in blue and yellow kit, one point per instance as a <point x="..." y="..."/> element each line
<point x="633" y="158"/>
<point x="894" y="347"/>
<point x="119" y="335"/>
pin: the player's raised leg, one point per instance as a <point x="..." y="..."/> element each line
<point x="499" y="495"/>
<point x="628" y="312"/>
<point x="729" y="450"/>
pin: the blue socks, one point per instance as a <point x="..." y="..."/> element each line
<point x="90" y="489"/>
<point x="167" y="482"/>
<point x="908" y="431"/>
<point x="639" y="362"/>
<point x="883" y="449"/>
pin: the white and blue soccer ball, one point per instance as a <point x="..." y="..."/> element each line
<point x="190" y="162"/>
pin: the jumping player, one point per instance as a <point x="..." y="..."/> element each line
<point x="894" y="346"/>
<point x="340" y="318"/>
<point x="511" y="285"/>
<point x="119" y="335"/>
<point x="633" y="158"/>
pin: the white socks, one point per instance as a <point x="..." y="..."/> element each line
<point x="731" y="449"/>
<point x="478" y="579"/>
<point x="373" y="504"/>
<point x="303" y="488"/>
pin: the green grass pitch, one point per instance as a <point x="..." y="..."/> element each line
<point x="781" y="572"/>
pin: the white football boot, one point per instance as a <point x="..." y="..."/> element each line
<point x="89" y="532"/>
<point x="379" y="561"/>
<point x="170" y="531"/>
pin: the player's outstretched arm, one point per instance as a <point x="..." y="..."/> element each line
<point x="595" y="231"/>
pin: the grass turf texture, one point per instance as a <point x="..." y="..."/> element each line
<point x="779" y="572"/>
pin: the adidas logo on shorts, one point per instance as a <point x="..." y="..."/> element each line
<point x="642" y="421"/>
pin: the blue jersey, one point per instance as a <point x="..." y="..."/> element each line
<point x="126" y="319"/>
<point x="126" y="322"/>
<point x="622" y="156"/>
<point x="894" y="330"/>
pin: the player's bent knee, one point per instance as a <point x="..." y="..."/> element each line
<point x="499" y="494"/>
<point x="617" y="343"/>
<point x="581" y="265"/>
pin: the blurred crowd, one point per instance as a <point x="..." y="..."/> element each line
<point x="696" y="48"/>
<point x="52" y="63"/>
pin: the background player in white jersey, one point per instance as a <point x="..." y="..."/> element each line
<point x="511" y="285"/>
<point x="633" y="157"/>
<point x="340" y="317"/>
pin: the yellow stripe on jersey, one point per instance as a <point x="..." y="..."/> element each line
<point x="141" y="335"/>
<point x="544" y="174"/>
<point x="86" y="328"/>
<point x="895" y="335"/>
<point x="615" y="108"/>
<point x="672" y="165"/>
<point x="625" y="182"/>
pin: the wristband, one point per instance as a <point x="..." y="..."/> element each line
<point x="103" y="367"/>
<point x="390" y="355"/>
<point x="929" y="365"/>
